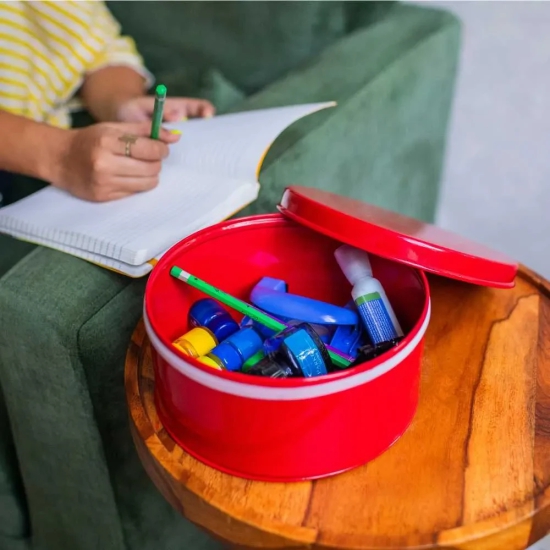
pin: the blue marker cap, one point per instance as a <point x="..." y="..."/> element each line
<point x="239" y="347"/>
<point x="227" y="355"/>
<point x="347" y="338"/>
<point x="203" y="311"/>
<point x="208" y="313"/>
<point x="258" y="327"/>
<point x="247" y="342"/>
<point x="223" y="326"/>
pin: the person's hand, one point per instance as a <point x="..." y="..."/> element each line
<point x="93" y="164"/>
<point x="140" y="109"/>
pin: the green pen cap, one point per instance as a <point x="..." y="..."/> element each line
<point x="161" y="91"/>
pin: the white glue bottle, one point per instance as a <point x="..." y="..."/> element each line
<point x="368" y="294"/>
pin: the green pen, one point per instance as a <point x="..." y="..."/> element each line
<point x="160" y="98"/>
<point x="244" y="308"/>
<point x="256" y="358"/>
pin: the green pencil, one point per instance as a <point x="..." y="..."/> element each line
<point x="160" y="98"/>
<point x="244" y="308"/>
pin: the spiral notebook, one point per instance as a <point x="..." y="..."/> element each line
<point x="210" y="174"/>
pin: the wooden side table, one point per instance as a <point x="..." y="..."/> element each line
<point x="472" y="471"/>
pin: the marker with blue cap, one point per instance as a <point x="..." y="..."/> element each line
<point x="233" y="352"/>
<point x="210" y="314"/>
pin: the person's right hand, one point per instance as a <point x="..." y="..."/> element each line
<point x="94" y="166"/>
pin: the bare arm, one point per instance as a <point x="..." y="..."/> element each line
<point x="105" y="90"/>
<point x="34" y="149"/>
<point x="30" y="148"/>
<point x="90" y="163"/>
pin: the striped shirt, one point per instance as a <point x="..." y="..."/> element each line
<point x="47" y="48"/>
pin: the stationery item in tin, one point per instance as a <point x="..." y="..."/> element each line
<point x="286" y="306"/>
<point x="232" y="353"/>
<point x="296" y="351"/>
<point x="206" y="360"/>
<point x="348" y="338"/>
<point x="197" y="342"/>
<point x="261" y="329"/>
<point x="210" y="314"/>
<point x="254" y="360"/>
<point x="369" y="351"/>
<point x="370" y="298"/>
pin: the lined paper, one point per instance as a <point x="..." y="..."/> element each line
<point x="147" y="225"/>
<point x="232" y="145"/>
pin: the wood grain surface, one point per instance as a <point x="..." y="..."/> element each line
<point x="471" y="473"/>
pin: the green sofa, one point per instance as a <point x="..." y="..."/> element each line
<point x="70" y="478"/>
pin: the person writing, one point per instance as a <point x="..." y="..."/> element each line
<point x="56" y="57"/>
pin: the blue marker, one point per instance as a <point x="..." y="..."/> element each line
<point x="369" y="296"/>
<point x="208" y="313"/>
<point x="232" y="353"/>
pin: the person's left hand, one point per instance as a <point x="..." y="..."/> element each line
<point x="140" y="109"/>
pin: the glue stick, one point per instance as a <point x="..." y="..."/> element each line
<point x="369" y="296"/>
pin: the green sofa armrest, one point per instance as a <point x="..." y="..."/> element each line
<point x="65" y="325"/>
<point x="44" y="301"/>
<point x="384" y="143"/>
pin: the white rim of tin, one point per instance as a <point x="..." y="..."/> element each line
<point x="264" y="393"/>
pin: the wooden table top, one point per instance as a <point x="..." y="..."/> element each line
<point x="472" y="471"/>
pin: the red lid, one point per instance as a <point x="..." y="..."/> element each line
<point x="397" y="237"/>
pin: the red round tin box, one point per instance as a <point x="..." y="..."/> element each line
<point x="303" y="428"/>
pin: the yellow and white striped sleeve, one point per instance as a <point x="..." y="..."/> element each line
<point x="119" y="50"/>
<point x="48" y="47"/>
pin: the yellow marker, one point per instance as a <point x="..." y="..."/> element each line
<point x="175" y="132"/>
<point x="197" y="342"/>
<point x="206" y="360"/>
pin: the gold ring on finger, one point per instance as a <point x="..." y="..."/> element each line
<point x="128" y="140"/>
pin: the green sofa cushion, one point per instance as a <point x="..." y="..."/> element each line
<point x="250" y="43"/>
<point x="13" y="507"/>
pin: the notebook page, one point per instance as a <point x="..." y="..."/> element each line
<point x="134" y="229"/>
<point x="233" y="144"/>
